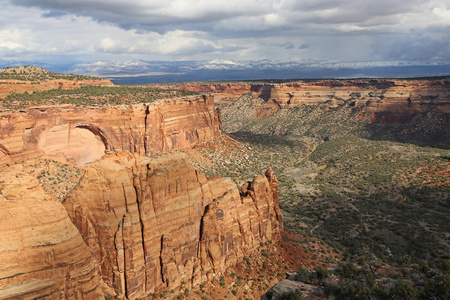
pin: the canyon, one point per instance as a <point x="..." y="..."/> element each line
<point x="142" y="220"/>
<point x="390" y="100"/>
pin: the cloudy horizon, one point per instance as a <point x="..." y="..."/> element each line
<point x="73" y="32"/>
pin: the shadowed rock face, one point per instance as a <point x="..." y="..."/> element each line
<point x="42" y="255"/>
<point x="82" y="134"/>
<point x="156" y="221"/>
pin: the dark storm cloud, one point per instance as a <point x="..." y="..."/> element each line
<point x="228" y="15"/>
<point x="154" y="15"/>
<point x="230" y="29"/>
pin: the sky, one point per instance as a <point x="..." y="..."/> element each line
<point x="86" y="31"/>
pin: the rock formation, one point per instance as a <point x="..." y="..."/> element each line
<point x="82" y="134"/>
<point x="155" y="221"/>
<point x="134" y="223"/>
<point x="390" y="100"/>
<point x="223" y="92"/>
<point x="42" y="255"/>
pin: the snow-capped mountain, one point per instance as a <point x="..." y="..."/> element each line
<point x="165" y="71"/>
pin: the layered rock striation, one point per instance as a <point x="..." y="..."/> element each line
<point x="42" y="254"/>
<point x="395" y="100"/>
<point x="155" y="222"/>
<point x="223" y="92"/>
<point x="82" y="134"/>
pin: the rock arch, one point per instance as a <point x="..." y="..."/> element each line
<point x="97" y="132"/>
<point x="79" y="144"/>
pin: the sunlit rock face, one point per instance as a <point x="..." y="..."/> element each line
<point x="156" y="221"/>
<point x="77" y="144"/>
<point x="42" y="254"/>
<point x="82" y="134"/>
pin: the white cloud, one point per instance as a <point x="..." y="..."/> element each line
<point x="13" y="39"/>
<point x="171" y="43"/>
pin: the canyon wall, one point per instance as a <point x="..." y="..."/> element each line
<point x="82" y="134"/>
<point x="139" y="221"/>
<point x="42" y="254"/>
<point x="155" y="222"/>
<point x="395" y="96"/>
<point x="223" y="92"/>
<point x="135" y="223"/>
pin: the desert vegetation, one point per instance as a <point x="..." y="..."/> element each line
<point x="381" y="198"/>
<point x="91" y="95"/>
<point x="367" y="279"/>
<point x="57" y="178"/>
<point x="36" y="74"/>
<point x="365" y="204"/>
<point x="377" y="194"/>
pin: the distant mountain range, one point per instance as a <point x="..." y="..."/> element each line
<point x="175" y="71"/>
<point x="140" y="71"/>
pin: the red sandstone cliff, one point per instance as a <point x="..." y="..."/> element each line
<point x="156" y="222"/>
<point x="223" y="92"/>
<point x="401" y="98"/>
<point x="143" y="223"/>
<point x="82" y="134"/>
<point x="42" y="255"/>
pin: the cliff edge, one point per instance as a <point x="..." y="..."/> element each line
<point x="81" y="135"/>
<point x="155" y="222"/>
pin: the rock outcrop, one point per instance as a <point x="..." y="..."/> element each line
<point x="154" y="222"/>
<point x="287" y="288"/>
<point x="42" y="254"/>
<point x="82" y="134"/>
